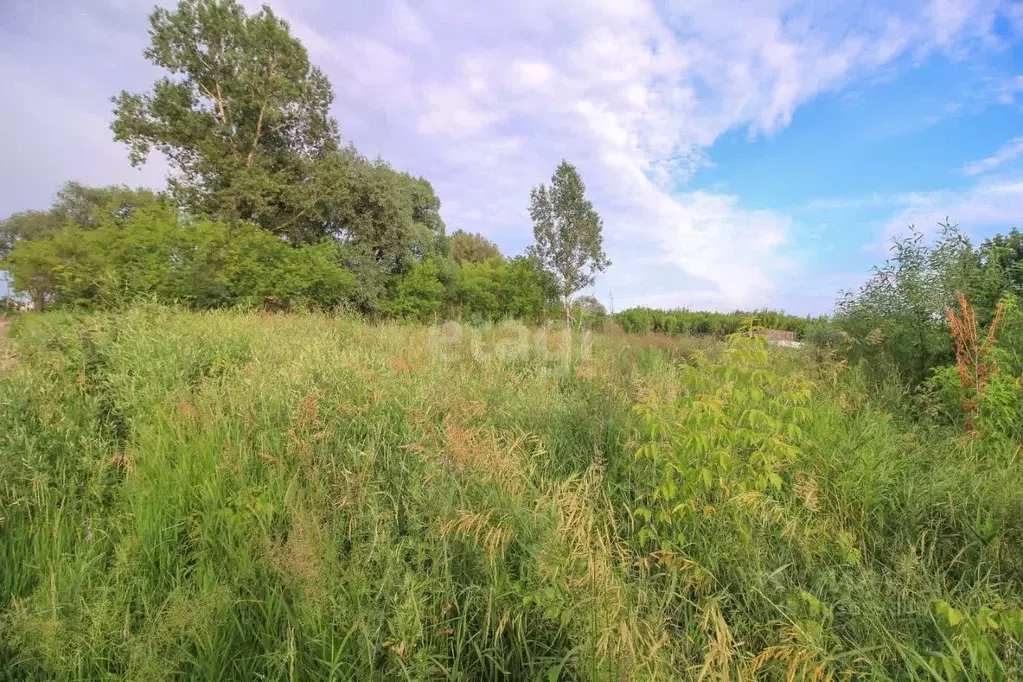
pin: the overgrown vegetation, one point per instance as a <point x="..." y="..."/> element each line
<point x="244" y="437"/>
<point x="227" y="495"/>
<point x="943" y="318"/>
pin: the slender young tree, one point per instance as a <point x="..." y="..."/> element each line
<point x="568" y="233"/>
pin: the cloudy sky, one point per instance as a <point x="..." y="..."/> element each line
<point x="742" y="153"/>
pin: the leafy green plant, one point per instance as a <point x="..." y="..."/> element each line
<point x="734" y="428"/>
<point x="157" y="254"/>
<point x="976" y="642"/>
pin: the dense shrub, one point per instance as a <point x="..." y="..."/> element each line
<point x="502" y="288"/>
<point x="418" y="295"/>
<point x="158" y="254"/>
<point x="899" y="314"/>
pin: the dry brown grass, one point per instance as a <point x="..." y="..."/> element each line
<point x="587" y="557"/>
<point x="484" y="529"/>
<point x="679" y="347"/>
<point x="7" y="357"/>
<point x="485" y="454"/>
<point x="720" y="652"/>
<point x="300" y="557"/>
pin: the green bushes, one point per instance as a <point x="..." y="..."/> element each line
<point x="899" y="314"/>
<point x="155" y="253"/>
<point x="419" y="295"/>
<point x="500" y="288"/>
<point x="159" y="255"/>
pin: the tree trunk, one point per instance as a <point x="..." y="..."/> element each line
<point x="568" y="328"/>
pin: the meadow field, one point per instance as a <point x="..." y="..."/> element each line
<point x="230" y="495"/>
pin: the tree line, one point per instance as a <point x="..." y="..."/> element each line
<point x="266" y="204"/>
<point x="684" y="321"/>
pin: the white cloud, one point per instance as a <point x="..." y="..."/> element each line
<point x="979" y="209"/>
<point x="408" y="25"/>
<point x="485" y="98"/>
<point x="1008" y="88"/>
<point x="1010" y="151"/>
<point x="984" y="206"/>
<point x="633" y="93"/>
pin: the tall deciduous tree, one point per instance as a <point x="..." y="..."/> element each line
<point x="242" y="117"/>
<point x="568" y="233"/>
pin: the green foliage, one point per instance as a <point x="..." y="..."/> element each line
<point x="1001" y="262"/>
<point x="24" y="225"/>
<point x="897" y="323"/>
<point x="386" y="221"/>
<point x="156" y="254"/>
<point x="244" y="120"/>
<point x="242" y="117"/>
<point x="418" y="295"/>
<point x="905" y="302"/>
<point x="89" y="207"/>
<point x="734" y="429"/>
<point x="468" y="247"/>
<point x="997" y="409"/>
<point x="480" y="287"/>
<point x="976" y="641"/>
<point x="74" y="203"/>
<point x="1010" y="335"/>
<point x="497" y="289"/>
<point x="682" y="321"/>
<point x="568" y="232"/>
<point x="530" y="292"/>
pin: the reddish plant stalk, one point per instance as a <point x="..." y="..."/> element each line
<point x="974" y="368"/>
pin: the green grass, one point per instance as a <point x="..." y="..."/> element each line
<point x="235" y="496"/>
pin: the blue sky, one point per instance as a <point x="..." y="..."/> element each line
<point x="741" y="153"/>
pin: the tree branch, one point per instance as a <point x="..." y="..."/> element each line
<point x="220" y="102"/>
<point x="218" y="98"/>
<point x="259" y="128"/>
<point x="262" y="110"/>
<point x="210" y="95"/>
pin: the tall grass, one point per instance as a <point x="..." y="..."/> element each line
<point x="235" y="496"/>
